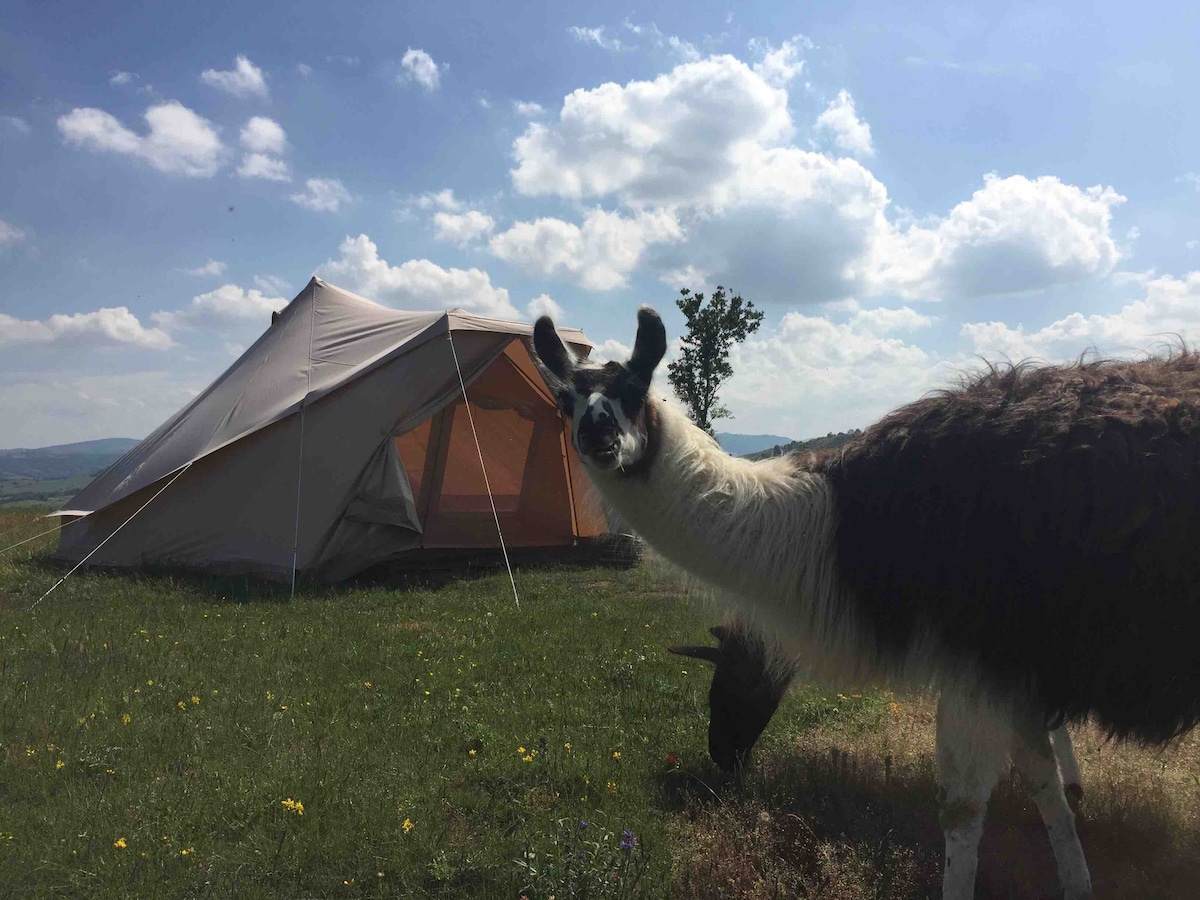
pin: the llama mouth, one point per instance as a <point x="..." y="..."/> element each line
<point x="606" y="457"/>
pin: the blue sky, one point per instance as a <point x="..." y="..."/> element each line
<point x="900" y="187"/>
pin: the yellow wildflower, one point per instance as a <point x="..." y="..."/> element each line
<point x="527" y="758"/>
<point x="612" y="787"/>
<point x="407" y="826"/>
<point x="294" y="805"/>
<point x="120" y="844"/>
<point x="567" y="745"/>
<point x="195" y="700"/>
<point x="126" y="719"/>
<point x="616" y="754"/>
<point x="79" y="720"/>
<point x="471" y="752"/>
<point x="180" y="704"/>
<point x="521" y="751"/>
<point x="58" y="765"/>
<point x="187" y="850"/>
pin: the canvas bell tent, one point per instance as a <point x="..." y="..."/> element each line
<point x="340" y="439"/>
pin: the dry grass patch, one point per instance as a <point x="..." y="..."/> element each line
<point x="851" y="813"/>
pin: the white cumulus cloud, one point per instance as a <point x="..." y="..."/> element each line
<point x="595" y="36"/>
<point x="639" y="141"/>
<point x="1170" y="308"/>
<point x="15" y="124"/>
<point x="778" y="66"/>
<point x="228" y="307"/>
<point x="462" y="228"/>
<point x="10" y="234"/>
<point x="212" y="267"/>
<point x="265" y="141"/>
<point x="263" y="135"/>
<point x="841" y="122"/>
<point x="261" y="165"/>
<point x="544" y="305"/>
<point x="178" y="142"/>
<point x="272" y="284"/>
<point x="529" y="109"/>
<point x="416" y="283"/>
<point x="107" y="327"/>
<point x="600" y="254"/>
<point x="323" y="195"/>
<point x="420" y="67"/>
<point x="443" y="200"/>
<point x="808" y="375"/>
<point x="783" y="223"/>
<point x="1014" y="234"/>
<point x="244" y="80"/>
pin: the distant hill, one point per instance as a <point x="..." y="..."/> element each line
<point x="62" y="460"/>
<point x="821" y="443"/>
<point x="742" y="444"/>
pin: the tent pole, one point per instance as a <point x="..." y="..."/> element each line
<point x="312" y="313"/>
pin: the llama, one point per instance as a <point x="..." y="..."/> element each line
<point x="1024" y="545"/>
<point x="750" y="679"/>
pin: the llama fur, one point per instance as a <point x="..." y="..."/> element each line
<point x="1025" y="544"/>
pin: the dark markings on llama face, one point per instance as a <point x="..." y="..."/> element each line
<point x="606" y="403"/>
<point x="743" y="695"/>
<point x="1067" y="574"/>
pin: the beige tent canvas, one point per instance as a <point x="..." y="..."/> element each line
<point x="340" y="439"/>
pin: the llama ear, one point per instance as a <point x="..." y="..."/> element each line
<point x="650" y="345"/>
<point x="551" y="350"/>
<point x="696" y="651"/>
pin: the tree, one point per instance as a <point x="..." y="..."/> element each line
<point x="703" y="366"/>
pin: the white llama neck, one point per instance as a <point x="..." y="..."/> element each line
<point x="760" y="531"/>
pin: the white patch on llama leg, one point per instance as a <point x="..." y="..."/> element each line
<point x="1035" y="760"/>
<point x="973" y="738"/>
<point x="1068" y="765"/>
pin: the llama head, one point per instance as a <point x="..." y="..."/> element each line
<point x="743" y="696"/>
<point x="605" y="403"/>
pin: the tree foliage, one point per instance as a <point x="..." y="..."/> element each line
<point x="703" y="366"/>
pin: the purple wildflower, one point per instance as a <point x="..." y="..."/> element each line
<point x="628" y="840"/>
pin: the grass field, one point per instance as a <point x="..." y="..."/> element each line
<point x="185" y="737"/>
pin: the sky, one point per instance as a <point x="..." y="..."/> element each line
<point x="904" y="189"/>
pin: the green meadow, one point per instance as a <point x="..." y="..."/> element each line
<point x="172" y="736"/>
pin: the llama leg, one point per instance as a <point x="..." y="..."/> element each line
<point x="1068" y="766"/>
<point x="1034" y="758"/>
<point x="972" y="748"/>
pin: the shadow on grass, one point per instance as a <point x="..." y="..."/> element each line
<point x="832" y="824"/>
<point x="419" y="570"/>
